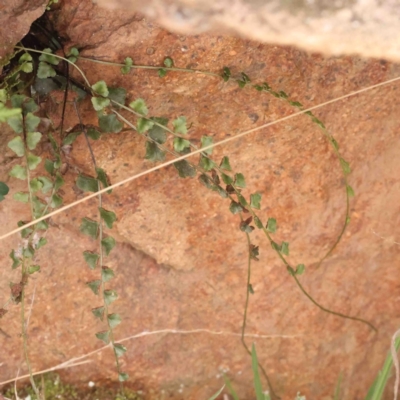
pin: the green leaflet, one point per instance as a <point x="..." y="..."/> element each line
<point x="128" y="65"/>
<point x="255" y="200"/>
<point x="108" y="244"/>
<point x="21" y="196"/>
<point x="185" y="170"/>
<point x="100" y="88"/>
<point x="15" y="122"/>
<point x="56" y="201"/>
<point x="33" y="161"/>
<point x="35" y="184"/>
<point x="19" y="172"/>
<point x="103" y="178"/>
<point x="168" y="62"/>
<point x="87" y="183"/>
<point x="144" y="124"/>
<point x="31" y="122"/>
<point x="33" y="268"/>
<point x="106" y="274"/>
<point x="17" y="146"/>
<point x="94" y="286"/>
<point x="16" y="261"/>
<point x="158" y="133"/>
<point x="118" y="95"/>
<point x="113" y="320"/>
<point x="139" y="105"/>
<point x="179" y="125"/>
<point x="226" y="74"/>
<point x="104" y="336"/>
<point x="226" y="179"/>
<point x="47" y="184"/>
<point x="6" y="113"/>
<point x="110" y="123"/>
<point x="70" y="138"/>
<point x="271" y="225"/>
<point x="285" y="248"/>
<point x="122" y="376"/>
<point x="235" y="208"/>
<point x="49" y="58"/>
<point x="205" y="142"/>
<point x="45" y="71"/>
<point x="240" y="181"/>
<point x="110" y="296"/>
<point x="93" y="133"/>
<point x="91" y="259"/>
<point x="119" y="349"/>
<point x="206" y="163"/>
<point x="300" y="269"/>
<point x="153" y="152"/>
<point x="32" y="139"/>
<point x="98" y="312"/>
<point x="109" y="217"/>
<point x="89" y="227"/>
<point x="73" y="54"/>
<point x="180" y="144"/>
<point x="99" y="103"/>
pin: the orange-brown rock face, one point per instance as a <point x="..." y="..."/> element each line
<point x="16" y="17"/>
<point x="181" y="260"/>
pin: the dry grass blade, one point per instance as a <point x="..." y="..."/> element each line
<point x="220" y="143"/>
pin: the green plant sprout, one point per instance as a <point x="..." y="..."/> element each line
<point x="54" y="388"/>
<point x="50" y="3"/>
<point x="261" y="394"/>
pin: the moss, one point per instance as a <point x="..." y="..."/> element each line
<point x="55" y="389"/>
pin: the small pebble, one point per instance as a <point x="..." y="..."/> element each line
<point x="150" y="51"/>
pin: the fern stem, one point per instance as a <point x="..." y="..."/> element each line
<point x="150" y="67"/>
<point x="59" y="57"/>
<point x="244" y="323"/>
<point x="251" y="211"/>
<point x="325" y="309"/>
<point x="100" y="203"/>
<point x="24" y="272"/>
<point x="25" y="335"/>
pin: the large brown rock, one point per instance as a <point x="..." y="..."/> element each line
<point x="365" y="27"/>
<point x="181" y="260"/>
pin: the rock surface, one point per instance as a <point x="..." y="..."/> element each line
<point x="16" y="17"/>
<point x="365" y="27"/>
<point x="181" y="261"/>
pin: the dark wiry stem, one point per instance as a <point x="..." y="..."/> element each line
<point x="291" y="271"/>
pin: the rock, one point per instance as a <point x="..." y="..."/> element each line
<point x="16" y="18"/>
<point x="181" y="259"/>
<point x="368" y="28"/>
